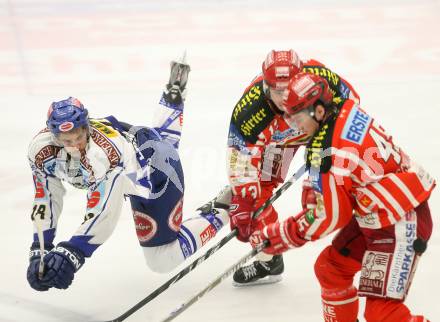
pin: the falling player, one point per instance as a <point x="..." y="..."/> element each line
<point x="111" y="159"/>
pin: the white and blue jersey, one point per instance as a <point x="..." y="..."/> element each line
<point x="120" y="160"/>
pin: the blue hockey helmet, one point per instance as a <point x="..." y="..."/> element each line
<point x="66" y="115"/>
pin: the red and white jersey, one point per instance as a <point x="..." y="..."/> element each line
<point x="360" y="172"/>
<point x="261" y="144"/>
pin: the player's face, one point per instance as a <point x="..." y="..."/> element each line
<point x="277" y="97"/>
<point x="304" y="122"/>
<point x="75" y="139"/>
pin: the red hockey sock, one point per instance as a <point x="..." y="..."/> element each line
<point x="418" y="318"/>
<point x="340" y="305"/>
<point x="383" y="310"/>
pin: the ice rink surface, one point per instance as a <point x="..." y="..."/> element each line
<point x="114" y="56"/>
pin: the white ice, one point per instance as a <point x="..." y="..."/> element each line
<point x="114" y="56"/>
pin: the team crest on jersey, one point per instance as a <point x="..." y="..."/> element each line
<point x="365" y="200"/>
<point x="175" y="218"/>
<point x="356" y="126"/>
<point x="146" y="227"/>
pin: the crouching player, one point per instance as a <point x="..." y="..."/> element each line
<point x="367" y="188"/>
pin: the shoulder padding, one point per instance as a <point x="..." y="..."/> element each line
<point x="252" y="113"/>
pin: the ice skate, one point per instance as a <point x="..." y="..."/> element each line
<point x="260" y="272"/>
<point x="175" y="90"/>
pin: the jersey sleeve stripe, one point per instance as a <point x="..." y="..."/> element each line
<point x="335" y="207"/>
<point x="389" y="198"/>
<point x="401" y="185"/>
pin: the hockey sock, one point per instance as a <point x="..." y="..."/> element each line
<point x="198" y="230"/>
<point x="340" y="305"/>
<point x="385" y="310"/>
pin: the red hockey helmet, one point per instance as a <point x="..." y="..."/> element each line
<point x="279" y="67"/>
<point x="303" y="91"/>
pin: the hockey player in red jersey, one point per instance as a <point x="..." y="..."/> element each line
<point x="261" y="146"/>
<point x="367" y="188"/>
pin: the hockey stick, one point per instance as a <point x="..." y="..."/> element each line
<point x="210" y="251"/>
<point x="41" y="241"/>
<point x="216" y="282"/>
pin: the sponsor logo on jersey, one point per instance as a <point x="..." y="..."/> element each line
<point x="373" y="273"/>
<point x="103" y="142"/>
<point x="39" y="189"/>
<point x="104" y="129"/>
<point x="252" y="95"/>
<point x="315" y="180"/>
<point x="252" y="113"/>
<point x="207" y="234"/>
<point x="404" y="257"/>
<point x="66" y="126"/>
<point x="331" y="77"/>
<point x="94" y="199"/>
<point x="185" y="247"/>
<point x="236" y="140"/>
<point x="146" y="227"/>
<point x="315" y="149"/>
<point x="329" y="312"/>
<point x="310" y="216"/>
<point x="345" y="90"/>
<point x="289" y="133"/>
<point x="45" y="154"/>
<point x="370" y="220"/>
<point x="253" y="121"/>
<point x="85" y="163"/>
<point x="175" y="218"/>
<point x="339" y="90"/>
<point x="356" y="126"/>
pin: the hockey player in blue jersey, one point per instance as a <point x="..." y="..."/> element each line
<point x="112" y="159"/>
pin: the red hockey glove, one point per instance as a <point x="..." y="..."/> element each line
<point x="281" y="236"/>
<point x="240" y="213"/>
<point x="308" y="197"/>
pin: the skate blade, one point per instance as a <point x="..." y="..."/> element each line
<point x="271" y="279"/>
